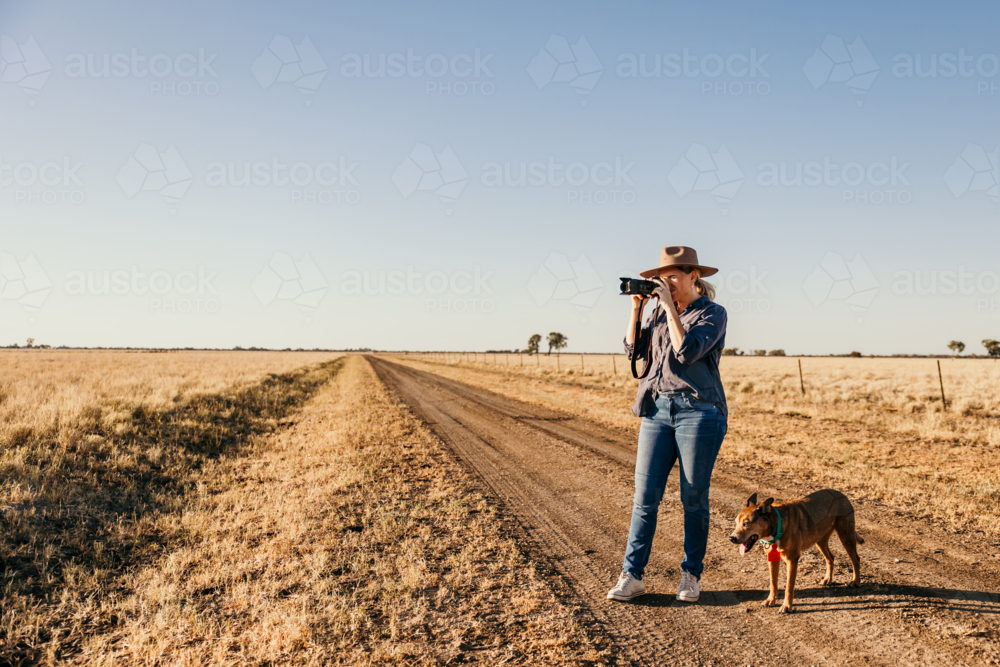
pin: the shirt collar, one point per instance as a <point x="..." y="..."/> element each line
<point x="697" y="303"/>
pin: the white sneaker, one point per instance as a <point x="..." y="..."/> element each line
<point x="627" y="588"/>
<point x="688" y="590"/>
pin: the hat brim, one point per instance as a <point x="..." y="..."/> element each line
<point x="706" y="271"/>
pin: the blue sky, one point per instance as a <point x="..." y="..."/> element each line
<point x="392" y="231"/>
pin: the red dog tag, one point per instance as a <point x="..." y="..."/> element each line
<point x="773" y="556"/>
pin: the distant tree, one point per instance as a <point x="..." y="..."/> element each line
<point x="730" y="351"/>
<point x="855" y="354"/>
<point x="956" y="346"/>
<point x="992" y="347"/>
<point x="557" y="341"/>
<point x="776" y="353"/>
<point x="759" y="353"/>
<point x="534" y="343"/>
<point x="31" y="342"/>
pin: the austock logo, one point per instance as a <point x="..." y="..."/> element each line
<point x="733" y="75"/>
<point x="584" y="183"/>
<point x="878" y="182"/>
<point x="975" y="170"/>
<point x="284" y="279"/>
<point x="183" y="292"/>
<point x="559" y="279"/>
<point x="701" y="171"/>
<point x="327" y="182"/>
<point x="984" y="285"/>
<point x="24" y="64"/>
<point x="452" y="292"/>
<point x="423" y="170"/>
<point x="285" y="62"/>
<point x="835" y="62"/>
<point x="459" y="74"/>
<point x="948" y="66"/>
<point x="52" y="182"/>
<point x="24" y="282"/>
<point x="741" y="291"/>
<point x="151" y="171"/>
<point x="559" y="62"/>
<point x="834" y="279"/>
<point x="184" y="74"/>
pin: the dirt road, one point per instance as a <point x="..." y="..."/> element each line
<point x="569" y="483"/>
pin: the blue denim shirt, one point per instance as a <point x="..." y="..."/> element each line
<point x="695" y="367"/>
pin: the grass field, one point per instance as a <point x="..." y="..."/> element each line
<point x="248" y="508"/>
<point x="102" y="454"/>
<point x="875" y="425"/>
<point x="282" y="508"/>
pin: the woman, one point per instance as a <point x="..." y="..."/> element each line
<point x="683" y="410"/>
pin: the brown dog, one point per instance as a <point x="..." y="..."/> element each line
<point x="795" y="526"/>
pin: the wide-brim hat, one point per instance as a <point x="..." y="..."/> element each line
<point x="679" y="255"/>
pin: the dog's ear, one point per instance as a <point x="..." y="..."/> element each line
<point x="752" y="500"/>
<point x="766" y="505"/>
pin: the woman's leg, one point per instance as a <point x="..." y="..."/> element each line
<point x="699" y="436"/>
<point x="654" y="459"/>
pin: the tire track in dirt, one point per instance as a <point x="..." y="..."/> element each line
<point x="568" y="481"/>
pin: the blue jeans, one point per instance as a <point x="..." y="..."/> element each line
<point x="684" y="428"/>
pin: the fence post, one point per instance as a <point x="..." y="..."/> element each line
<point x="944" y="404"/>
<point x="614" y="365"/>
<point x="802" y="385"/>
<point x="558" y="367"/>
<point x="581" y="363"/>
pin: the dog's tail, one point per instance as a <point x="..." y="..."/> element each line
<point x="860" y="539"/>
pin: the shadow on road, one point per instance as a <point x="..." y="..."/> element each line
<point x="842" y="598"/>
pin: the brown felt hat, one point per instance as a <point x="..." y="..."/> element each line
<point x="679" y="255"/>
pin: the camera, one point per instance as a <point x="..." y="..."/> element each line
<point x="636" y="286"/>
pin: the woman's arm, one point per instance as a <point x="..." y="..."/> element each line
<point x="692" y="344"/>
<point x="701" y="336"/>
<point x="674" y="325"/>
<point x="638" y="348"/>
<point x="637" y="303"/>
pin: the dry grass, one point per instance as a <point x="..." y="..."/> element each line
<point x="353" y="539"/>
<point x="895" y="395"/>
<point x="96" y="470"/>
<point x="874" y="426"/>
<point x="56" y="392"/>
<point x="303" y="518"/>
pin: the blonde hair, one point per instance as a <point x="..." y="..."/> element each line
<point x="704" y="288"/>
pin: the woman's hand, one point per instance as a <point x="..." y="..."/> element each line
<point x="637" y="303"/>
<point x="674" y="325"/>
<point x="663" y="294"/>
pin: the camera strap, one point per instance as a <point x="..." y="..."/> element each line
<point x="635" y="344"/>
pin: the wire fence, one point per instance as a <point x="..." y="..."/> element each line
<point x="615" y="364"/>
<point x="618" y="365"/>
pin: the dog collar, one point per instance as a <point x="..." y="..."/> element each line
<point x="777" y="535"/>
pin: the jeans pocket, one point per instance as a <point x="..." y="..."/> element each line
<point x="692" y="403"/>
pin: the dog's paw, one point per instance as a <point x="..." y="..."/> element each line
<point x="826" y="582"/>
<point x="768" y="603"/>
<point x="785" y="609"/>
<point x="853" y="584"/>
